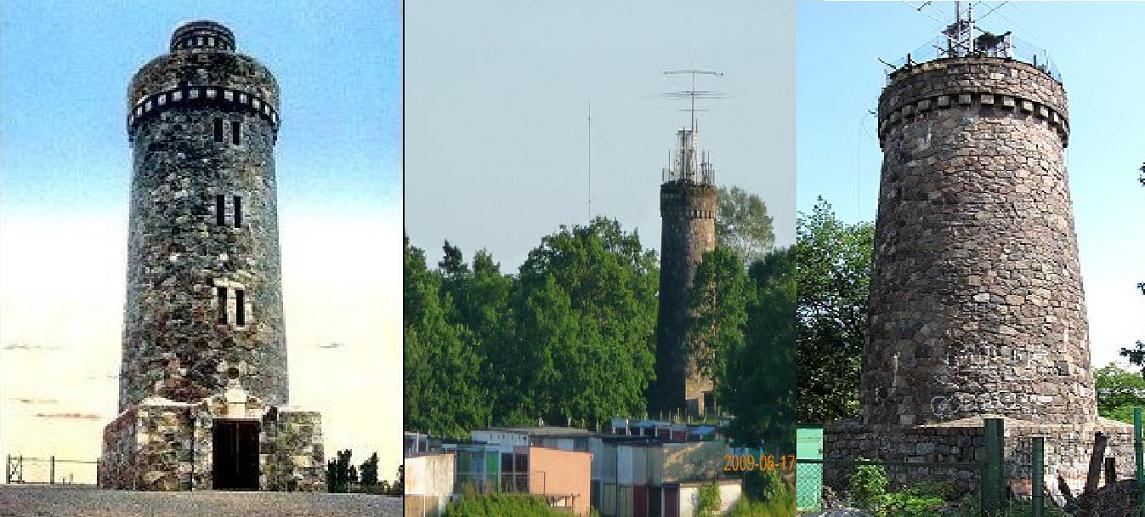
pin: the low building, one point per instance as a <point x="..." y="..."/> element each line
<point x="429" y="483"/>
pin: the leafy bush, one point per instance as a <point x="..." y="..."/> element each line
<point x="868" y="484"/>
<point x="765" y="495"/>
<point x="500" y="505"/>
<point x="708" y="504"/>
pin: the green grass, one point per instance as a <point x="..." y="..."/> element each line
<point x="501" y="505"/>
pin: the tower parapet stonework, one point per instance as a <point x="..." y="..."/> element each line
<point x="203" y="378"/>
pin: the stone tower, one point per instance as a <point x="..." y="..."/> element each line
<point x="204" y="300"/>
<point x="203" y="374"/>
<point x="688" y="217"/>
<point x="976" y="300"/>
<point x="976" y="303"/>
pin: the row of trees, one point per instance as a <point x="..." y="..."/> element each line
<point x="342" y="476"/>
<point x="571" y="336"/>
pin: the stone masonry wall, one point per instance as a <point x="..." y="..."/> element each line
<point x="295" y="456"/>
<point x="1067" y="451"/>
<point x="179" y="256"/>
<point x="688" y="231"/>
<point x="976" y="302"/>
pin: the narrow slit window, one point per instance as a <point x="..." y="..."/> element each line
<point x="240" y="307"/>
<point x="238" y="211"/>
<point x="218" y="130"/>
<point x="220" y="210"/>
<point x="236" y="132"/>
<point x="221" y="294"/>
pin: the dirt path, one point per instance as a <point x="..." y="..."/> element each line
<point x="72" y="501"/>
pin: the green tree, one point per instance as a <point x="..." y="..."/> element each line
<point x="584" y="310"/>
<point x="717" y="305"/>
<point x="369" y="470"/>
<point x="442" y="389"/>
<point x="833" y="274"/>
<point x="759" y="384"/>
<point x="742" y="224"/>
<point x="708" y="500"/>
<point x="1118" y="391"/>
<point x="340" y="473"/>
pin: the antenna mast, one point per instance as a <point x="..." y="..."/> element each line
<point x="693" y="93"/>
<point x="590" y="160"/>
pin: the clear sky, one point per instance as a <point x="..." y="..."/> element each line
<point x="65" y="168"/>
<point x="1095" y="46"/>
<point x="498" y="94"/>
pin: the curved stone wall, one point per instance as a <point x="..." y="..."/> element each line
<point x="976" y="299"/>
<point x="203" y="246"/>
<point x="688" y="230"/>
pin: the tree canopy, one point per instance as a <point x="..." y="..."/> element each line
<point x="742" y="224"/>
<point x="1118" y="391"/>
<point x="570" y="337"/>
<point x="833" y="276"/>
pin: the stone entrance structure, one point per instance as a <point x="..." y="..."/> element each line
<point x="976" y="304"/>
<point x="203" y="378"/>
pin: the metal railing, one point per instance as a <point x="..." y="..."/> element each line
<point x="14" y="471"/>
<point x="1014" y="48"/>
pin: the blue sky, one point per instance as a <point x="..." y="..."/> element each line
<point x="64" y="78"/>
<point x="498" y="94"/>
<point x="1095" y="46"/>
<point x="65" y="171"/>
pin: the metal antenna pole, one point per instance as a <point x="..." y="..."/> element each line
<point x="590" y="160"/>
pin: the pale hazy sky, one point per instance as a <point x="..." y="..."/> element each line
<point x="1094" y="45"/>
<point x="65" y="169"/>
<point x="498" y="93"/>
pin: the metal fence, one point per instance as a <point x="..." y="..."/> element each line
<point x="22" y="469"/>
<point x="994" y="480"/>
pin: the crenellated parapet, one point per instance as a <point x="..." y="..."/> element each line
<point x="982" y="85"/>
<point x="222" y="98"/>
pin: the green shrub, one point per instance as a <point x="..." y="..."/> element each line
<point x="868" y="484"/>
<point x="501" y="505"/>
<point x="708" y="504"/>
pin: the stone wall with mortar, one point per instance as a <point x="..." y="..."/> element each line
<point x="1067" y="452"/>
<point x="179" y="256"/>
<point x="976" y="298"/>
<point x="688" y="218"/>
<point x="166" y="445"/>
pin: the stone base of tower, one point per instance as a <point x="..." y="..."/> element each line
<point x="161" y="444"/>
<point x="1067" y="452"/>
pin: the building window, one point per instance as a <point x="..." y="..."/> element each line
<point x="236" y="133"/>
<point x="238" y="200"/>
<point x="218" y="130"/>
<point x="221" y="295"/>
<point x="240" y="307"/>
<point x="220" y="210"/>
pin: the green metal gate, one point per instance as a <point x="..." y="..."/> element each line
<point x="809" y="476"/>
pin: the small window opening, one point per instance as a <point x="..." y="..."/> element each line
<point x="236" y="133"/>
<point x="240" y="307"/>
<point x="238" y="211"/>
<point x="220" y="210"/>
<point x="218" y="130"/>
<point x="221" y="293"/>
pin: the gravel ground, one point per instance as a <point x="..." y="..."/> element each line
<point x="72" y="501"/>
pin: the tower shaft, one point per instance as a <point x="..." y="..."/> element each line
<point x="976" y="298"/>
<point x="688" y="206"/>
<point x="204" y="302"/>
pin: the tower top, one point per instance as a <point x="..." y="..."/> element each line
<point x="202" y="34"/>
<point x="687" y="163"/>
<point x="964" y="37"/>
